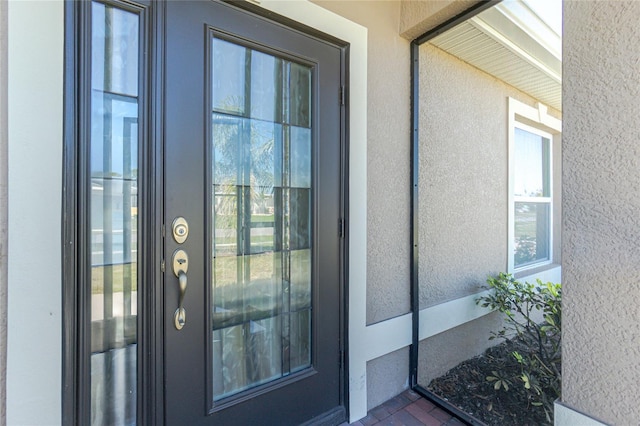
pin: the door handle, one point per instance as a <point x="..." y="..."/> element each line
<point x="180" y="268"/>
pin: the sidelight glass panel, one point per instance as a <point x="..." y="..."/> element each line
<point x="114" y="50"/>
<point x="262" y="203"/>
<point x="113" y="205"/>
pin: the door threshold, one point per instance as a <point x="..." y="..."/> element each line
<point x="332" y="417"/>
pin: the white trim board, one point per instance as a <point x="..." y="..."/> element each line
<point x="35" y="100"/>
<point x="445" y="316"/>
<point x="550" y="273"/>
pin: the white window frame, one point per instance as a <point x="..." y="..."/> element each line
<point x="534" y="120"/>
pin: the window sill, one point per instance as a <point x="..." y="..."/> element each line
<point x="549" y="272"/>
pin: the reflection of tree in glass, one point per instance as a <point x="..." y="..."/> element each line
<point x="226" y="209"/>
<point x="226" y="134"/>
<point x="244" y="153"/>
<point x="262" y="165"/>
<point x="525" y="250"/>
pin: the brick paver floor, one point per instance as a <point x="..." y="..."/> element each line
<point x="407" y="409"/>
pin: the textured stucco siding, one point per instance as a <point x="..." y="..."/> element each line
<point x="388" y="153"/>
<point x="463" y="176"/>
<point x="387" y="377"/>
<point x="420" y="16"/>
<point x="601" y="193"/>
<point x="442" y="352"/>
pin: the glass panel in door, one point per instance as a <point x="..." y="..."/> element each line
<point x="261" y="215"/>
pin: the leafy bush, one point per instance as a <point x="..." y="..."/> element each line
<point x="536" y="375"/>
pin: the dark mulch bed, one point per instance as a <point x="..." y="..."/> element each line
<point x="466" y="387"/>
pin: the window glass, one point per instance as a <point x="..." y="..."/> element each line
<point x="531" y="171"/>
<point x="531" y="233"/>
<point x="532" y="198"/>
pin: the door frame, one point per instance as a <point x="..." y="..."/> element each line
<point x="75" y="219"/>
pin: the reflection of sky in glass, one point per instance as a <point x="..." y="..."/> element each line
<point x="228" y="69"/>
<point x="226" y="145"/>
<point x="121" y="64"/>
<point x="263" y="151"/>
<point x="265" y="75"/>
<point x="257" y="85"/>
<point x="122" y="119"/>
<point x="528" y="172"/>
<point x="300" y="157"/>
<point x="228" y="161"/>
<point x="114" y="79"/>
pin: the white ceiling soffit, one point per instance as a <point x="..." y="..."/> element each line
<point x="511" y="43"/>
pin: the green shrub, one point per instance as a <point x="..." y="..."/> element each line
<point x="534" y="369"/>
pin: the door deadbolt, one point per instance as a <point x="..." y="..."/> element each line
<point x="180" y="229"/>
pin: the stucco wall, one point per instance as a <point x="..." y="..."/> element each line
<point x="463" y="176"/>
<point x="442" y="352"/>
<point x="420" y="16"/>
<point x="463" y="170"/>
<point x="388" y="154"/>
<point x="387" y="376"/>
<point x="601" y="227"/>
